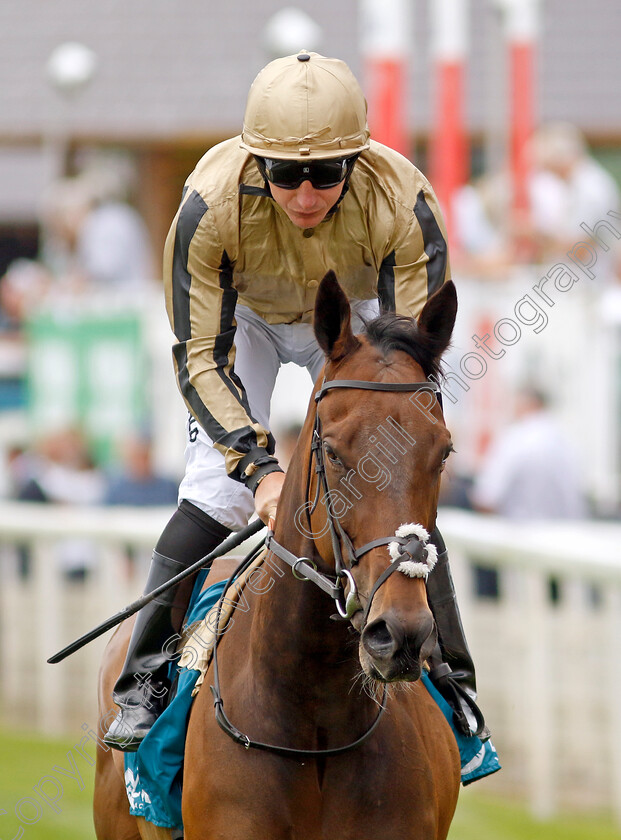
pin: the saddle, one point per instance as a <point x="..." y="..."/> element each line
<point x="199" y="639"/>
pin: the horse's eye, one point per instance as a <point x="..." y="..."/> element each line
<point x="332" y="456"/>
<point x="446" y="457"/>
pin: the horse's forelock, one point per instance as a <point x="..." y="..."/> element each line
<point x="391" y="332"/>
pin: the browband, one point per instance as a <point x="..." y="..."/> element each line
<point x="376" y="386"/>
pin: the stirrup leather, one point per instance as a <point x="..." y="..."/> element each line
<point x="442" y="677"/>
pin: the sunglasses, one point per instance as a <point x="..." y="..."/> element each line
<point x="289" y="174"/>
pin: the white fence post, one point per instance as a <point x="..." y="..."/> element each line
<point x="47" y="616"/>
<point x="538" y="724"/>
<point x="613" y="663"/>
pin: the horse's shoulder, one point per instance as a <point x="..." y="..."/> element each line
<point x="222" y="569"/>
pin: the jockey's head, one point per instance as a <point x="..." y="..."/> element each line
<point x="306" y="123"/>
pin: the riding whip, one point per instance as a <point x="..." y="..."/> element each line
<point x="229" y="544"/>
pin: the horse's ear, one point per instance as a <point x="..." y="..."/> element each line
<point x="332" y="322"/>
<point x="438" y="317"/>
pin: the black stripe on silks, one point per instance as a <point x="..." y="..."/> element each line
<point x="204" y="417"/>
<point x="241" y="440"/>
<point x="246" y="436"/>
<point x="224" y="341"/>
<point x="246" y="189"/>
<point x="435" y="244"/>
<point x="386" y="283"/>
<point x="189" y="219"/>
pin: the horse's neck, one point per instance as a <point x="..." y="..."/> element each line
<point x="306" y="663"/>
<point x="295" y="615"/>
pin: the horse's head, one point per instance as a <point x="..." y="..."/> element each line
<point x="379" y="455"/>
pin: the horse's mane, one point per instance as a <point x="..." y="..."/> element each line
<point x="398" y="332"/>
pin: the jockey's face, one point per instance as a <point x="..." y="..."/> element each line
<point x="306" y="206"/>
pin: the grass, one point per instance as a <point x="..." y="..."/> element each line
<point x="28" y="779"/>
<point x="27" y="771"/>
<point x="483" y="817"/>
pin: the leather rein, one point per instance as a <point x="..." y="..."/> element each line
<point x="305" y="569"/>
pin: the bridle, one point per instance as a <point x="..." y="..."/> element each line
<point x="409" y="547"/>
<point x="405" y="549"/>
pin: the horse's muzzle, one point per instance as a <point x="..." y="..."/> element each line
<point x="391" y="651"/>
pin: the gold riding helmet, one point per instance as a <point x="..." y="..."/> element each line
<point x="305" y="107"/>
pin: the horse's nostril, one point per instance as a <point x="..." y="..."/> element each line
<point x="378" y="639"/>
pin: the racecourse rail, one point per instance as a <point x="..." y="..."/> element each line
<point x="541" y="603"/>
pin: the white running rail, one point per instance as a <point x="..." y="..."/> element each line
<point x="547" y="647"/>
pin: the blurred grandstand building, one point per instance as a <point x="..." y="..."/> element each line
<point x="142" y="89"/>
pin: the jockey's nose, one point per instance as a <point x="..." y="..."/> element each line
<point x="305" y="195"/>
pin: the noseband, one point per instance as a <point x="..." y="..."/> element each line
<point x="409" y="548"/>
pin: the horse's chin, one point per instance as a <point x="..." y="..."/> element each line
<point x="390" y="671"/>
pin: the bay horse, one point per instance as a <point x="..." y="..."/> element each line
<point x="296" y="687"/>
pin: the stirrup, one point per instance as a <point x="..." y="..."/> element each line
<point x="459" y="700"/>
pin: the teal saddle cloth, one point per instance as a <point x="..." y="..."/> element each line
<point x="154" y="774"/>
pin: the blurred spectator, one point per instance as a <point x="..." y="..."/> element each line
<point x="92" y="237"/>
<point x="455" y="489"/>
<point x="22" y="288"/>
<point x="137" y="483"/>
<point x="530" y="471"/>
<point x="59" y="470"/>
<point x="113" y="244"/>
<point x="568" y="187"/>
<point x="480" y="216"/>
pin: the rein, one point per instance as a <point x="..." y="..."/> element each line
<point x="407" y="546"/>
<point x="231" y="730"/>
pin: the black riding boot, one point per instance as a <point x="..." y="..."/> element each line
<point x="143" y="686"/>
<point x="142" y="690"/>
<point x="452" y="668"/>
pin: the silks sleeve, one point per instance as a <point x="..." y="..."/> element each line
<point x="200" y="301"/>
<point x="417" y="262"/>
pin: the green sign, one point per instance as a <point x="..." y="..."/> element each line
<point x="86" y="371"/>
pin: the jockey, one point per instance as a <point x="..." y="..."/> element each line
<point x="263" y="217"/>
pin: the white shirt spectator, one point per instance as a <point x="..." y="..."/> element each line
<point x="113" y="246"/>
<point x="530" y="473"/>
<point x="560" y="205"/>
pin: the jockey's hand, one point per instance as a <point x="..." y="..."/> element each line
<point x="267" y="495"/>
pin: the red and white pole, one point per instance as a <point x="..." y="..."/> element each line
<point x="448" y="159"/>
<point x="386" y="42"/>
<point x="521" y="24"/>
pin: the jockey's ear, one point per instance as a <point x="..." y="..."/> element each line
<point x="438" y="317"/>
<point x="332" y="321"/>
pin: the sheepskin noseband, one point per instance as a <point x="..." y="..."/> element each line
<point x="419" y="555"/>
